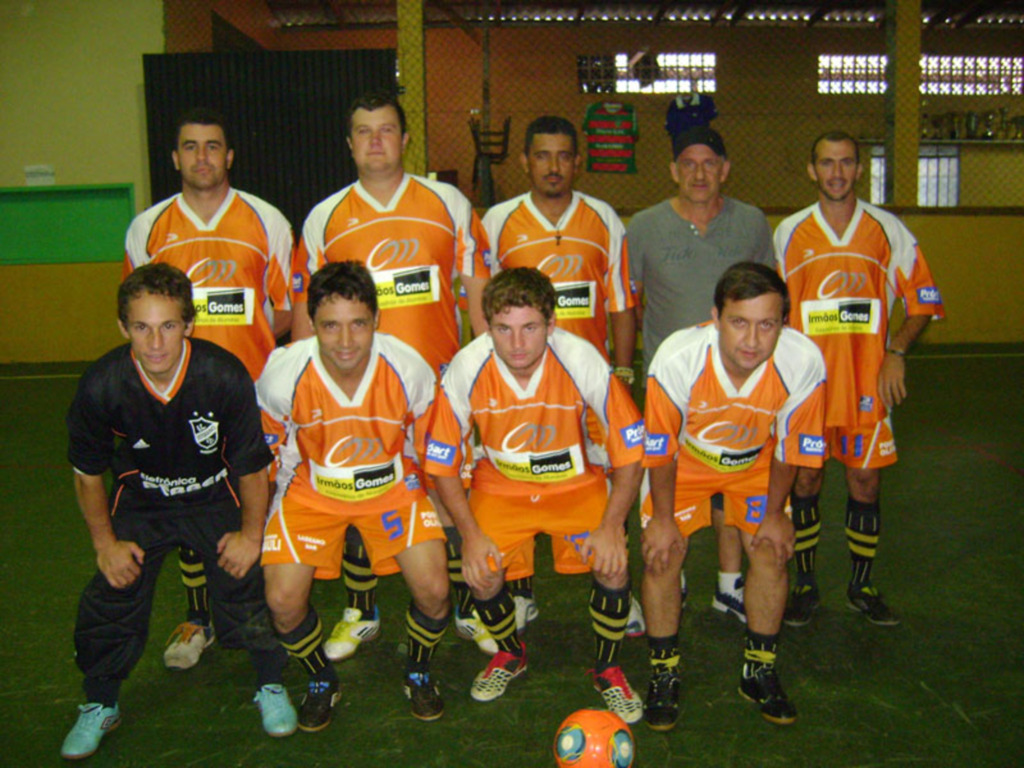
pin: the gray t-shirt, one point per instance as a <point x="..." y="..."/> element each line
<point x="679" y="268"/>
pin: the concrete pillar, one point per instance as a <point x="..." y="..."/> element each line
<point x="902" y="100"/>
<point x="412" y="79"/>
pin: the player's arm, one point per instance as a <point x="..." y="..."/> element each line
<point x="117" y="560"/>
<point x="477" y="547"/>
<point x="282" y="322"/>
<point x="608" y="542"/>
<point x="302" y="326"/>
<point x="661" y="537"/>
<point x="239" y="550"/>
<point x="474" y="298"/>
<point x="892" y="386"/>
<point x="776" y="529"/>
<point x="624" y="344"/>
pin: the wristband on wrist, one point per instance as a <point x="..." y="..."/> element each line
<point x="625" y="374"/>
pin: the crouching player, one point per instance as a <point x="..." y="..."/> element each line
<point x="734" y="407"/>
<point x="528" y="387"/>
<point x="175" y="420"/>
<point x="339" y="408"/>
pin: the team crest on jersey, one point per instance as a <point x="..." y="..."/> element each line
<point x="206" y="432"/>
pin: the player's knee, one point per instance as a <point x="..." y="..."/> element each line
<point x="287" y="605"/>
<point x="614" y="580"/>
<point x="766" y="558"/>
<point x="432" y="597"/>
<point x="864" y="485"/>
<point x="808" y="482"/>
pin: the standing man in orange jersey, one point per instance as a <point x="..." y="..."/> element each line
<point x="416" y="236"/>
<point x="845" y="263"/>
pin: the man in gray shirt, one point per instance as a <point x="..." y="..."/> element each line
<point x="678" y="249"/>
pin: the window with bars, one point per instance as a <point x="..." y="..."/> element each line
<point x="646" y="73"/>
<point x="945" y="75"/>
<point x="938" y="175"/>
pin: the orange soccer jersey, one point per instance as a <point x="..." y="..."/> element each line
<point x="238" y="263"/>
<point x="339" y="455"/>
<point x="534" y="439"/>
<point x="720" y="435"/>
<point x="415" y="247"/>
<point x="842" y="289"/>
<point x="584" y="254"/>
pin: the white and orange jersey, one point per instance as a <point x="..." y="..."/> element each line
<point x="239" y="264"/>
<point x="584" y="255"/>
<point x="337" y="453"/>
<point x="534" y="439"/>
<point x="695" y="415"/>
<point x="842" y="289"/>
<point x="415" y="247"/>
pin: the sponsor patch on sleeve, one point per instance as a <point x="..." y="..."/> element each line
<point x="297" y="282"/>
<point x="633" y="435"/>
<point x="440" y="452"/>
<point x="656" y="445"/>
<point x="812" y="445"/>
<point x="270" y="439"/>
<point x="929" y="295"/>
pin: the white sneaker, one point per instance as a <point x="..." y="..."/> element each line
<point x="526" y="611"/>
<point x="186" y="644"/>
<point x="472" y="628"/>
<point x="635" y="624"/>
<point x="350" y="632"/>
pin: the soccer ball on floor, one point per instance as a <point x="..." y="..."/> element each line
<point x="594" y="738"/>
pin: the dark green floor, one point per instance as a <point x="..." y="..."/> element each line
<point x="943" y="689"/>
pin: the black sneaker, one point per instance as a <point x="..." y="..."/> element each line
<point x="315" y="711"/>
<point x="764" y="688"/>
<point x="662" y="708"/>
<point x="803" y="601"/>
<point x="424" y="695"/>
<point x="868" y="601"/>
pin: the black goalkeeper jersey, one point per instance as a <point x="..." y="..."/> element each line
<point x="170" y="452"/>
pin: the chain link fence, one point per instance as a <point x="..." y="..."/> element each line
<point x="774" y="88"/>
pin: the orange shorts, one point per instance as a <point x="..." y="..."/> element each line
<point x="565" y="555"/>
<point x="297" y="534"/>
<point x="745" y="495"/>
<point x="513" y="521"/>
<point x="869" y="447"/>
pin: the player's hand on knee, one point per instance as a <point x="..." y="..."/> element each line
<point x="776" y="532"/>
<point x="237" y="553"/>
<point x="120" y="563"/>
<point x="607" y="545"/>
<point x="660" y="542"/>
<point x="481" y="562"/>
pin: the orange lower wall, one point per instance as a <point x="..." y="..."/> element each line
<point x="67" y="312"/>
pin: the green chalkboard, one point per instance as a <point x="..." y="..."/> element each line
<point x="62" y="225"/>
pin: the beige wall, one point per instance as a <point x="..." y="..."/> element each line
<point x="71" y="89"/>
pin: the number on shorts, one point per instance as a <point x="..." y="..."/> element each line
<point x="393" y="524"/>
<point x="577" y="539"/>
<point x="756" y="508"/>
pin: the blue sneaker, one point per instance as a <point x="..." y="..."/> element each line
<point x="731" y="602"/>
<point x="94" y="722"/>
<point x="276" y="710"/>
